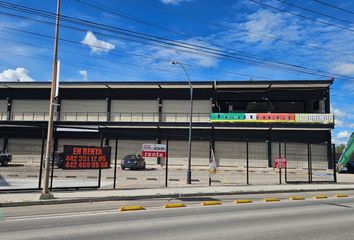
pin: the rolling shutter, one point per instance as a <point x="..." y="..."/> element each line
<point x="230" y="154"/>
<point x="25" y="150"/>
<point x="178" y="153"/>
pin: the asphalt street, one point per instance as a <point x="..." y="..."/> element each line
<point x="330" y="218"/>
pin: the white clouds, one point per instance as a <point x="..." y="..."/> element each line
<point x="174" y="2"/>
<point x="338" y="113"/>
<point x="84" y="75"/>
<point x="19" y="74"/>
<point x="343" y="134"/>
<point x="266" y="26"/>
<point x="97" y="46"/>
<point x="344" y="68"/>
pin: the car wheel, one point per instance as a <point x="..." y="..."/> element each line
<point x="123" y="168"/>
<point x="5" y="163"/>
<point x="144" y="167"/>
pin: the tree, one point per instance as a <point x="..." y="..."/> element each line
<point x="340" y="148"/>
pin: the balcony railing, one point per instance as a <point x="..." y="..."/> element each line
<point x="114" y="117"/>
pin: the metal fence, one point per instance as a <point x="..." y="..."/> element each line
<point x="238" y="163"/>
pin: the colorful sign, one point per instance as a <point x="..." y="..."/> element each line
<point x="280" y="163"/>
<point x="86" y="157"/>
<point x="153" y="150"/>
<point x="273" y="117"/>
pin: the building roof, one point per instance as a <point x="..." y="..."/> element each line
<point x="264" y="84"/>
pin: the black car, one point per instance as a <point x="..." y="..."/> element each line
<point x="5" y="158"/>
<point x="133" y="161"/>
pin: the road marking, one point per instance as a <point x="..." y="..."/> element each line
<point x="296" y="198"/>
<point x="341" y="195"/>
<point x="271" y="200"/>
<point x="131" y="208"/>
<point x="174" y="205"/>
<point x="58" y="215"/>
<point x="243" y="201"/>
<point x="319" y="197"/>
<point x="210" y="203"/>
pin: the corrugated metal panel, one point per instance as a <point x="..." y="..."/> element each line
<point x="30" y="110"/>
<point x="178" y="110"/>
<point x="297" y="155"/>
<point x="258" y="154"/>
<point x="275" y="151"/>
<point x="230" y="153"/>
<point x="83" y="110"/>
<point x="319" y="156"/>
<point x="25" y="150"/>
<point x="178" y="153"/>
<point x="3" y="110"/>
<point x="134" y="110"/>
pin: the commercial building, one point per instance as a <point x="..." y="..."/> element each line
<point x="269" y="118"/>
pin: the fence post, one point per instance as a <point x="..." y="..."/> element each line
<point x="247" y="164"/>
<point x="100" y="170"/>
<point x="309" y="162"/>
<point x="166" y="165"/>
<point x="42" y="158"/>
<point x="286" y="168"/>
<point x="334" y="163"/>
<point x="279" y="157"/>
<point x="115" y="164"/>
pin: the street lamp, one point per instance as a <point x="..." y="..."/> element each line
<point x="189" y="171"/>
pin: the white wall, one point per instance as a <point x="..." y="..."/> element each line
<point x="28" y="109"/>
<point x="178" y="110"/>
<point x="83" y="110"/>
<point x="134" y="110"/>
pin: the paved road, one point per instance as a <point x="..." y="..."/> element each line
<point x="310" y="219"/>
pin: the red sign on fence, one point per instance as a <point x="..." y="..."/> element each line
<point x="154" y="150"/>
<point x="280" y="163"/>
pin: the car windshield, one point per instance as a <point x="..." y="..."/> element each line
<point x="129" y="157"/>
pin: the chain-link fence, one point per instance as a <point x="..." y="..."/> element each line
<point x="238" y="163"/>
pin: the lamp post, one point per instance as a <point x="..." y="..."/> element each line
<point x="189" y="171"/>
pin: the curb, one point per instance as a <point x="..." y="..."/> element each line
<point x="170" y="195"/>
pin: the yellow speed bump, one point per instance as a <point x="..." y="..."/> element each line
<point x="271" y="199"/>
<point x="210" y="203"/>
<point x="131" y="208"/>
<point x="319" y="197"/>
<point x="296" y="198"/>
<point x="341" y="195"/>
<point x="243" y="201"/>
<point x="174" y="205"/>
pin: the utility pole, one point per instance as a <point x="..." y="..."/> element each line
<point x="45" y="193"/>
<point x="189" y="170"/>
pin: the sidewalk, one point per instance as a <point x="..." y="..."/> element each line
<point x="32" y="198"/>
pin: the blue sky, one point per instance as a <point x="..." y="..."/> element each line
<point x="240" y="26"/>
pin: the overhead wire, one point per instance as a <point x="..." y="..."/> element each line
<point x="173" y="44"/>
<point x="333" y="6"/>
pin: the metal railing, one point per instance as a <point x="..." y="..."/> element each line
<point x="103" y="116"/>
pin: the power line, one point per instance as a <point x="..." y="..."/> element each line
<point x="302" y="16"/>
<point x="173" y="44"/>
<point x="77" y="44"/>
<point x="316" y="12"/>
<point x="276" y="65"/>
<point x="334" y="6"/>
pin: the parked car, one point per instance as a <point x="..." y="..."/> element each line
<point x="348" y="168"/>
<point x="5" y="158"/>
<point x="133" y="161"/>
<point x="59" y="159"/>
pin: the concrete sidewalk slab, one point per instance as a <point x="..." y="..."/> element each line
<point x="32" y="198"/>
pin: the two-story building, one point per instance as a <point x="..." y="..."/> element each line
<point x="267" y="116"/>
